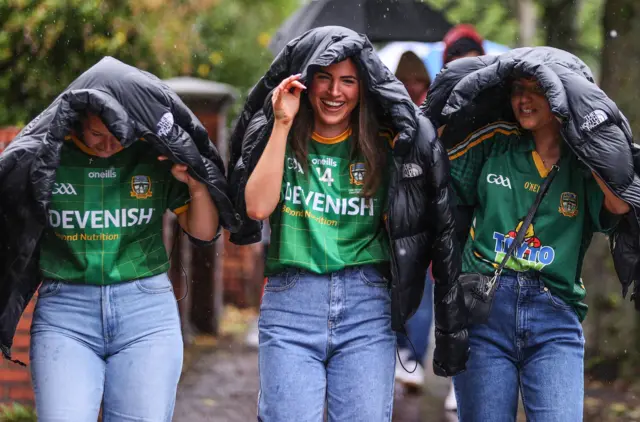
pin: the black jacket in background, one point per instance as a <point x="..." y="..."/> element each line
<point x="472" y="92"/>
<point x="132" y="104"/>
<point x="420" y="218"/>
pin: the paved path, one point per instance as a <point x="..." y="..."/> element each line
<point x="221" y="385"/>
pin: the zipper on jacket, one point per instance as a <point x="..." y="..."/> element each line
<point x="394" y="263"/>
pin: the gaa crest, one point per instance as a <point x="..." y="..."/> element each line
<point x="356" y="173"/>
<point x="141" y="187"/>
<point x="568" y="204"/>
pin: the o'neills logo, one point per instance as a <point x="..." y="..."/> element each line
<point x="106" y="174"/>
<point x="326" y="161"/>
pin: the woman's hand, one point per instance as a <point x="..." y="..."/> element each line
<point x="180" y="172"/>
<point x="201" y="218"/>
<point x="286" y="100"/>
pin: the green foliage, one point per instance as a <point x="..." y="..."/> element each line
<point x="46" y="44"/>
<point x="497" y="21"/>
<point x="494" y="19"/>
<point x="17" y="413"/>
<point x="590" y="33"/>
<point x="235" y="35"/>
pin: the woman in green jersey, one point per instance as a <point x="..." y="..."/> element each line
<point x="328" y="247"/>
<point x="357" y="215"/>
<point x="106" y="322"/>
<point x="533" y="340"/>
<point x="106" y="330"/>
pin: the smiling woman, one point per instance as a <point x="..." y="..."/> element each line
<point x="498" y="172"/>
<point x="343" y="265"/>
<point x="325" y="213"/>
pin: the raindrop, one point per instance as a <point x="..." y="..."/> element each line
<point x="613" y="33"/>
<point x="402" y="252"/>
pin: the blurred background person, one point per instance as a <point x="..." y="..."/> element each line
<point x="462" y="41"/>
<point x="413" y="74"/>
<point x="412" y="348"/>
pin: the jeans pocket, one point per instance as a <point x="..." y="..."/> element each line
<point x="155" y="284"/>
<point x="49" y="288"/>
<point x="556" y="302"/>
<point x="281" y="282"/>
<point x="372" y="277"/>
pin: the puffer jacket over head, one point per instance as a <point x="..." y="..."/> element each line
<point x="472" y="92"/>
<point x="133" y="104"/>
<point x="420" y="219"/>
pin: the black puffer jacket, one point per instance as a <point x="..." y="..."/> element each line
<point x="474" y="91"/>
<point x="133" y="104"/>
<point x="420" y="218"/>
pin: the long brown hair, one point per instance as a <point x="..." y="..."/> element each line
<point x="367" y="141"/>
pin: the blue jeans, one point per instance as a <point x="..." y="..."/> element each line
<point x="532" y="343"/>
<point x="419" y="326"/>
<point x="326" y="337"/>
<point x="121" y="342"/>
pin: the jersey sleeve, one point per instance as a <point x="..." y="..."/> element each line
<point x="178" y="196"/>
<point x="468" y="157"/>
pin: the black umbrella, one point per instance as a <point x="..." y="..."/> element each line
<point x="379" y="20"/>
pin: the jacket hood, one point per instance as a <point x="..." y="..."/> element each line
<point x="322" y="47"/>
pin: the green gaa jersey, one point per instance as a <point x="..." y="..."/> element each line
<point x="497" y="170"/>
<point x="322" y="223"/>
<point x="105" y="216"/>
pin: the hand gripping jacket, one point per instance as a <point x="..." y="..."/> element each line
<point x="420" y="219"/>
<point x="133" y="104"/>
<point x="471" y="92"/>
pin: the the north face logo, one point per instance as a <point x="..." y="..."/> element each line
<point x="165" y="124"/>
<point x="411" y="170"/>
<point x="593" y="120"/>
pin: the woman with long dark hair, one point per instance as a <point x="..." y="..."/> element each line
<point x="354" y="225"/>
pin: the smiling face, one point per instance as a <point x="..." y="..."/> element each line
<point x="334" y="94"/>
<point x="98" y="138"/>
<point x="530" y="106"/>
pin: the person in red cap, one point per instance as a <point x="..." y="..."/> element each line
<point x="462" y="41"/>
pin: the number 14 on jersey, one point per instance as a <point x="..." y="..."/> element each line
<point x="326" y="177"/>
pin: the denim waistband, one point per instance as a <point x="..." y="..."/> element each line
<point x="381" y="268"/>
<point x="524" y="278"/>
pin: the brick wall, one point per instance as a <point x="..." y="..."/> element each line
<point x="243" y="272"/>
<point x="15" y="380"/>
<point x="6" y="135"/>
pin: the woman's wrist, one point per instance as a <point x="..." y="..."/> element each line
<point x="198" y="189"/>
<point x="280" y="132"/>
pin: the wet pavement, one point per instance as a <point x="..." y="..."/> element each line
<point x="220" y="383"/>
